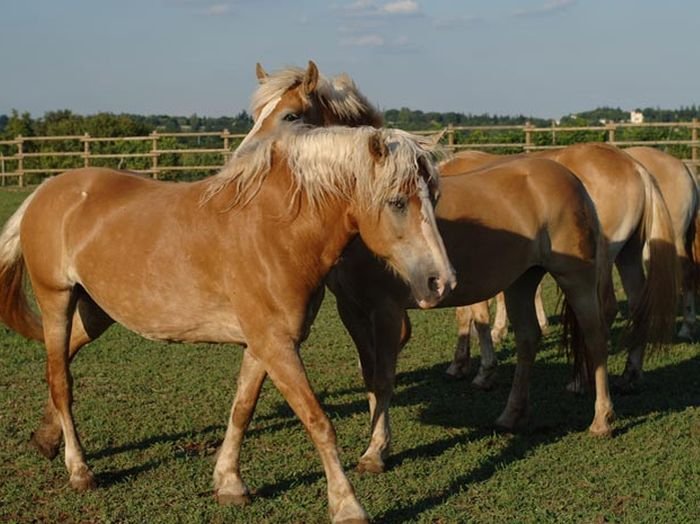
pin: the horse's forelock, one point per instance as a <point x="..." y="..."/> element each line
<point x="339" y="97"/>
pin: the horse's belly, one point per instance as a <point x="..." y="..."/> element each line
<point x="186" y="316"/>
<point x="226" y="330"/>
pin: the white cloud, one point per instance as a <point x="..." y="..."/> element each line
<point x="216" y="9"/>
<point x="363" y="41"/>
<point x="402" y="7"/>
<point x="546" y="8"/>
<point x="457" y="22"/>
<point x="373" y="8"/>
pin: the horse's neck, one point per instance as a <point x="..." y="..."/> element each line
<point x="285" y="217"/>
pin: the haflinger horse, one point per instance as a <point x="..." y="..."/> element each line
<point x="504" y="227"/>
<point x="235" y="258"/>
<point x="304" y="95"/>
<point x="680" y="192"/>
<point x="633" y="217"/>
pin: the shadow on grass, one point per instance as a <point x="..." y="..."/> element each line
<point x="454" y="404"/>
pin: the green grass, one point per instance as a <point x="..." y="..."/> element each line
<point x="151" y="416"/>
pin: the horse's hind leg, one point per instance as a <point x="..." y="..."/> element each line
<point x="500" y="320"/>
<point x="486" y="375"/>
<point x="521" y="308"/>
<point x="630" y="267"/>
<point x="687" y="329"/>
<point x="89" y="321"/>
<point x="582" y="298"/>
<point x="542" y="319"/>
<point x="228" y="484"/>
<point x="461" y="361"/>
<point x="57" y="308"/>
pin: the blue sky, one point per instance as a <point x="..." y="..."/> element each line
<point x="536" y="57"/>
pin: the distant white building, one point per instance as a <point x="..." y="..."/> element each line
<point x="636" y="117"/>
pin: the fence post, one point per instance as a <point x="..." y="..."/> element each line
<point x="528" y="136"/>
<point x="86" y="150"/>
<point x="450" y="136"/>
<point x="611" y="127"/>
<point x="20" y="160"/>
<point x="554" y="133"/>
<point x="694" y="146"/>
<point x="154" y="154"/>
<point x="227" y="145"/>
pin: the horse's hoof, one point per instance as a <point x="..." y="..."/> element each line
<point x="350" y="513"/>
<point x="512" y="424"/>
<point x="626" y="384"/>
<point x="83" y="481"/>
<point x="485" y="380"/>
<point x="685" y="334"/>
<point x="367" y="465"/>
<point x="456" y="373"/>
<point x="576" y="387"/>
<point x="50" y="451"/>
<point x="602" y="431"/>
<point x="233" y="499"/>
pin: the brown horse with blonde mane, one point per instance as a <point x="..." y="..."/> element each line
<point x="633" y="215"/>
<point x="680" y="192"/>
<point x="235" y="258"/>
<point x="525" y="218"/>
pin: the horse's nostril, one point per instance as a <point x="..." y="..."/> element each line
<point x="434" y="284"/>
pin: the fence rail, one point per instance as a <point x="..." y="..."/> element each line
<point x="26" y="160"/>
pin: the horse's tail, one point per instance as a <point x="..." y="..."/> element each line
<point x="15" y="310"/>
<point x="652" y="320"/>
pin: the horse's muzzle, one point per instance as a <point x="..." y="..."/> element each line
<point x="436" y="289"/>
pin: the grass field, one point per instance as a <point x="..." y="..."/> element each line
<point x="151" y="416"/>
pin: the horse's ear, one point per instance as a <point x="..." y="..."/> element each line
<point x="377" y="147"/>
<point x="260" y="73"/>
<point x="310" y="78"/>
<point x="435" y="138"/>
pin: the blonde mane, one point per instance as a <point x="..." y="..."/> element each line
<point x="338" y="95"/>
<point x="330" y="162"/>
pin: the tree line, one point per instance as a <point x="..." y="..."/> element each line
<point x="67" y="123"/>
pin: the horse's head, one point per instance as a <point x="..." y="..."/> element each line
<point x="399" y="226"/>
<point x="295" y="95"/>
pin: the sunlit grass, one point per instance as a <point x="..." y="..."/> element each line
<point x="151" y="416"/>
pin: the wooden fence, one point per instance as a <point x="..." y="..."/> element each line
<point x="27" y="160"/>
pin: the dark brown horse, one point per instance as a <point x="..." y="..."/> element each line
<point x="235" y="258"/>
<point x="503" y="226"/>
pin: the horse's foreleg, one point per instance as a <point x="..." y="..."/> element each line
<point x="521" y="308"/>
<point x="228" y="484"/>
<point x="500" y="320"/>
<point x="486" y="376"/>
<point x="283" y="364"/>
<point x="386" y="324"/>
<point x="459" y="367"/>
<point x="57" y="308"/>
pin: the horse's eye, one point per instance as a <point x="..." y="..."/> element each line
<point x="291" y="117"/>
<point x="398" y="203"/>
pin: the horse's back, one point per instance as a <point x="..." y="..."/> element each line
<point x="676" y="183"/>
<point x="518" y="214"/>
